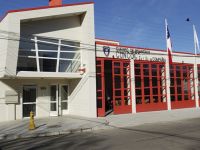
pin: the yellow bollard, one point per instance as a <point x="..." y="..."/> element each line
<point x="31" y="123"/>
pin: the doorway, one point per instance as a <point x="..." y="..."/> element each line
<point x="108" y="86"/>
<point x="29" y="100"/>
<point x="58" y="100"/>
<point x="113" y="86"/>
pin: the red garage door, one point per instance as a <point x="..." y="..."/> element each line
<point x="121" y="87"/>
<point x="150" y="86"/>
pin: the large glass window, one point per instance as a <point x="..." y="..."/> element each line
<point x="49" y="55"/>
<point x="182" y="82"/>
<point x="150" y="82"/>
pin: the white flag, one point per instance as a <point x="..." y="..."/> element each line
<point x="196" y="40"/>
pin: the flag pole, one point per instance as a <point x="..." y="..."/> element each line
<point x="168" y="67"/>
<point x="196" y="47"/>
<point x="195" y="40"/>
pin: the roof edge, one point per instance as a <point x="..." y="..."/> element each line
<point x="151" y="49"/>
<point x="44" y="7"/>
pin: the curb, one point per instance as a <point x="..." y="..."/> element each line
<point x="46" y="134"/>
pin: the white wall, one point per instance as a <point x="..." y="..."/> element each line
<point x="63" y="28"/>
<point x="56" y="22"/>
<point x="3" y="45"/>
<point x="83" y="99"/>
<point x="14" y="111"/>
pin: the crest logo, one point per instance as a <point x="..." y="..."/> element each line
<point x="106" y="50"/>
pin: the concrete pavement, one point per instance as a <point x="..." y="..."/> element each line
<point x="173" y="135"/>
<point x="71" y="124"/>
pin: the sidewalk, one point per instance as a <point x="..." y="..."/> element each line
<point x="71" y="124"/>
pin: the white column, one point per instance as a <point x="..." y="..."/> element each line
<point x="196" y="83"/>
<point x="133" y="86"/>
<point x="58" y="55"/>
<point x="37" y="55"/>
<point x="168" y="84"/>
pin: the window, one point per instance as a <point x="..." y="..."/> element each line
<point x="49" y="55"/>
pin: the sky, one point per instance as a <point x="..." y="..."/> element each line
<point x="136" y="22"/>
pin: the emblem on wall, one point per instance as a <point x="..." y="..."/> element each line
<point x="106" y="50"/>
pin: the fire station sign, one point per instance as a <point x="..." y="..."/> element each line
<point x="131" y="53"/>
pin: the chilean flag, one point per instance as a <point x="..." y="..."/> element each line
<point x="169" y="43"/>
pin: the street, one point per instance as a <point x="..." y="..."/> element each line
<point x="179" y="135"/>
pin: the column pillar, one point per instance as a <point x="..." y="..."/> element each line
<point x="168" y="84"/>
<point x="133" y="85"/>
<point x="196" y="83"/>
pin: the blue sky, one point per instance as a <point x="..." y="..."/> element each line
<point x="136" y="22"/>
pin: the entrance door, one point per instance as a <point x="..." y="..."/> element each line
<point x="58" y="100"/>
<point x="100" y="87"/>
<point x="121" y="86"/>
<point x="29" y="100"/>
<point x="63" y="99"/>
<point x="53" y="100"/>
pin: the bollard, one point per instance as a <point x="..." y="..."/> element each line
<point x="31" y="123"/>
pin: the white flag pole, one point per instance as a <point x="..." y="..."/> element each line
<point x="196" y="40"/>
<point x="196" y="48"/>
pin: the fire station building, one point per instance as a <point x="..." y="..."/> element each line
<point x="51" y="64"/>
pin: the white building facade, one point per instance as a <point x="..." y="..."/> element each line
<point x="44" y="66"/>
<point x="51" y="64"/>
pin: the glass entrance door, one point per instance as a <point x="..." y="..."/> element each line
<point x="29" y="100"/>
<point x="58" y="100"/>
<point x="63" y="99"/>
<point x="53" y="100"/>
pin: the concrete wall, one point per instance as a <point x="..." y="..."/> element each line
<point x="3" y="43"/>
<point x="73" y="23"/>
<point x="14" y="111"/>
<point x="83" y="101"/>
<point x="63" y="28"/>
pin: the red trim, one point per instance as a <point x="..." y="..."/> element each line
<point x="151" y="49"/>
<point x="44" y="7"/>
<point x="182" y="104"/>
<point x="106" y="43"/>
<point x="106" y="40"/>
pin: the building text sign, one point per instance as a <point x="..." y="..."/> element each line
<point x="131" y="53"/>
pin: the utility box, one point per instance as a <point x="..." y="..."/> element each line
<point x="11" y="97"/>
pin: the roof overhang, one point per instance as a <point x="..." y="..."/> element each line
<point x="43" y="8"/>
<point x="47" y="75"/>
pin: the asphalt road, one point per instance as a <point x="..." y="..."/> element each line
<point x="179" y="135"/>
